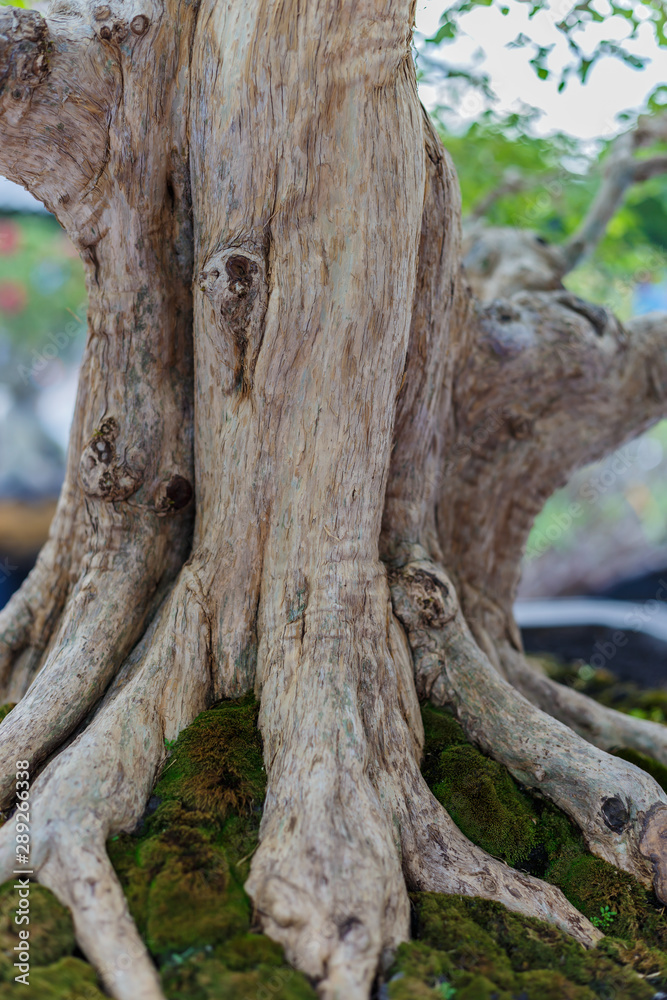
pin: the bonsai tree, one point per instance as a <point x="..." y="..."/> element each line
<point x="304" y="462"/>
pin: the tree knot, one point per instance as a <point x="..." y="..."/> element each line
<point x="615" y="814"/>
<point x="101" y="474"/>
<point x="24" y="63"/>
<point x="174" y="495"/>
<point x="422" y="599"/>
<point x="234" y="282"/>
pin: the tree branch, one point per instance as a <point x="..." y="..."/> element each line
<point x="623" y="169"/>
<point x="57" y="90"/>
<point x="501" y="261"/>
<point x="548" y="384"/>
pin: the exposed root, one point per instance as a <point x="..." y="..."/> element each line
<point x="327" y="876"/>
<point x="98" y="785"/>
<point x="290" y="498"/>
<point x="348" y="815"/>
<point x="104" y="929"/>
<point x="437" y="856"/>
<point x="604" y="727"/>
<point x="609" y="799"/>
<point x="95" y="636"/>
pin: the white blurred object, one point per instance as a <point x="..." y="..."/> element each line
<point x="649" y="617"/>
<point x="14" y="198"/>
<point x="55" y="406"/>
<point x="6" y="401"/>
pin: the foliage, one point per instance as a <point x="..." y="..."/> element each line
<point x="556" y="180"/>
<point x="570" y="22"/>
<point x="605" y="920"/>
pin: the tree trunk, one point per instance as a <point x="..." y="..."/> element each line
<point x="275" y="477"/>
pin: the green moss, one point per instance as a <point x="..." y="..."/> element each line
<point x="182" y="876"/>
<point x="68" y="979"/>
<point x="184" y="868"/>
<point x="50" y="927"/>
<point x="480" y="949"/>
<point x="216" y="765"/>
<point x="590" y="883"/>
<point x="183" y="873"/>
<point x="605" y="687"/>
<point x="5" y="710"/>
<point x="192" y="898"/>
<point x="494" y="950"/>
<point x="441" y="731"/>
<point x="210" y="980"/>
<point x="402" y="987"/>
<point x="487" y="804"/>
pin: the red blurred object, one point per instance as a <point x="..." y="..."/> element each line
<point x="13" y="297"/>
<point x="10" y="237"/>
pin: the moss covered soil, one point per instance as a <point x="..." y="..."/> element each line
<point x="184" y="867"/>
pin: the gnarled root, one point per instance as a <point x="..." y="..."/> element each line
<point x="327" y="876"/>
<point x="616" y="805"/>
<point x="99" y="783"/>
<point x="603" y="727"/>
<point x="348" y="814"/>
<point x="437" y="856"/>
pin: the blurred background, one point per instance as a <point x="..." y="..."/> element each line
<point x="42" y="334"/>
<point x="529" y="96"/>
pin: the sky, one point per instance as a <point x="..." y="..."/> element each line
<point x="586" y="111"/>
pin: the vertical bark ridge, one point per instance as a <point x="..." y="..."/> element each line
<point x="129" y="475"/>
<point x="319" y="133"/>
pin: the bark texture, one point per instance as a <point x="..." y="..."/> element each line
<point x="282" y="348"/>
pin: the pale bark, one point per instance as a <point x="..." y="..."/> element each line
<point x="339" y="374"/>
